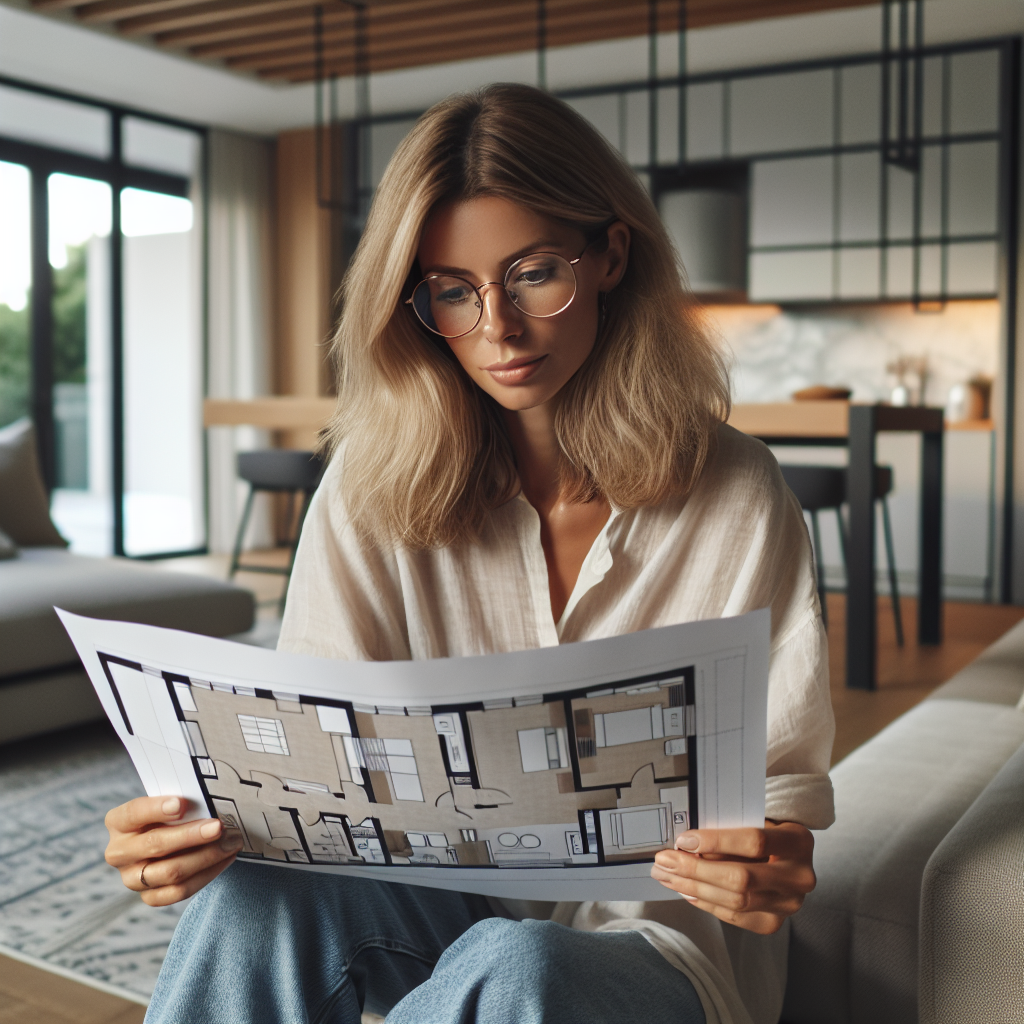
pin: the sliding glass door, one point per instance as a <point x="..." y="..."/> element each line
<point x="15" y="292"/>
<point x="79" y="215"/>
<point x="163" y="468"/>
<point x="101" y="316"/>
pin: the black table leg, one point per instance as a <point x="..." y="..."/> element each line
<point x="861" y="616"/>
<point x="929" y="600"/>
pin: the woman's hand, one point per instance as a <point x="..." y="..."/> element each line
<point x="164" y="861"/>
<point x="753" y="878"/>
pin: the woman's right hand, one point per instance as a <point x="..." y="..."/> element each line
<point x="165" y="860"/>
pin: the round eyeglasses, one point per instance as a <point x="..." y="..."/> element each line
<point x="542" y="284"/>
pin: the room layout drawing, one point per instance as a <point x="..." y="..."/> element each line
<point x="587" y="776"/>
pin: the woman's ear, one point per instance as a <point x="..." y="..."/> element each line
<point x="615" y="256"/>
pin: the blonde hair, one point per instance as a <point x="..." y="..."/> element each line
<point x="426" y="455"/>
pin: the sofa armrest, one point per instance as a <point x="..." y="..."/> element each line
<point x="971" y="968"/>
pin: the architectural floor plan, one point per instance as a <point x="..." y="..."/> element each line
<point x="598" y="775"/>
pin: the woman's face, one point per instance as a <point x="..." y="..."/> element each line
<point x="521" y="361"/>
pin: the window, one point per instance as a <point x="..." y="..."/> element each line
<point x="263" y="735"/>
<point x="114" y="391"/>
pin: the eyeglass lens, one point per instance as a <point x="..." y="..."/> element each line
<point x="540" y="285"/>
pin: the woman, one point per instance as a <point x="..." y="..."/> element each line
<point x="529" y="449"/>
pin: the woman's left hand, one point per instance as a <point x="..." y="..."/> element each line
<point x="753" y="878"/>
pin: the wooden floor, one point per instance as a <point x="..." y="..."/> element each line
<point x="31" y="996"/>
<point x="905" y="676"/>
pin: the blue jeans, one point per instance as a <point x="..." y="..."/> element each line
<point x="278" y="946"/>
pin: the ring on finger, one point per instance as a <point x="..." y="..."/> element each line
<point x="142" y="875"/>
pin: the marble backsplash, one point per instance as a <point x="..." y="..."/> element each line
<point x="775" y="351"/>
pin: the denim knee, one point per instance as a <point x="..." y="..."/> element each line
<point x="538" y="972"/>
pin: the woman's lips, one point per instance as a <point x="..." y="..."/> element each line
<point x="515" y="371"/>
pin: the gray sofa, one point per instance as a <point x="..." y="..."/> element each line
<point x="42" y="684"/>
<point x="919" y="910"/>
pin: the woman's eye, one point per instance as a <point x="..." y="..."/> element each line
<point x="452" y="296"/>
<point x="534" y="275"/>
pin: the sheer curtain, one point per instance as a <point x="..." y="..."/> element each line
<point x="240" y="320"/>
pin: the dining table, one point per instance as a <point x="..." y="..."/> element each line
<point x="829" y="423"/>
<point x="856" y="427"/>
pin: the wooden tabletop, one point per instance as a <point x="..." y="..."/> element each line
<point x="762" y="419"/>
<point x="826" y="419"/>
<point x="273" y="412"/>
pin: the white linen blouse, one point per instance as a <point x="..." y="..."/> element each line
<point x="736" y="543"/>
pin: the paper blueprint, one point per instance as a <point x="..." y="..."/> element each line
<point x="553" y="774"/>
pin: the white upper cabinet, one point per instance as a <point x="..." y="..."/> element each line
<point x="829" y="220"/>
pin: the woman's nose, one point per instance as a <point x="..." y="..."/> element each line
<point x="501" y="318"/>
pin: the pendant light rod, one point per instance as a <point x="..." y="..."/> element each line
<point x="542" y="44"/>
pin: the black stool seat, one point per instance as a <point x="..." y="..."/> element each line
<point x="280" y="469"/>
<point x="823" y="487"/>
<point x="276" y="469"/>
<point x="818" y="488"/>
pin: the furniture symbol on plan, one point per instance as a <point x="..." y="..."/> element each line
<point x="278" y="470"/>
<point x="818" y="488"/>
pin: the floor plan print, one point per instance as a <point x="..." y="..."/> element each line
<point x="582" y="777"/>
<point x="554" y="773"/>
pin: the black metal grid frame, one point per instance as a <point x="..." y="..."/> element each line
<point x="1006" y="237"/>
<point x="42" y="161"/>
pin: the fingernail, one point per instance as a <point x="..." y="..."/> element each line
<point x="172" y="806"/>
<point x="689" y="899"/>
<point x="210" y="829"/>
<point x="688" y="841"/>
<point x="232" y="841"/>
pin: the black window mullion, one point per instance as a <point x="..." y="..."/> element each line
<point x="117" y="339"/>
<point x="41" y="329"/>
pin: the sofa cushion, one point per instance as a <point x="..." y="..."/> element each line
<point x="853" y="955"/>
<point x="996" y="676"/>
<point x="972" y="911"/>
<point x="32" y="638"/>
<point x="24" y="507"/>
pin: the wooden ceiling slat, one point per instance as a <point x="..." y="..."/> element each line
<point x="235" y="28"/>
<point x="615" y="16"/>
<point x="115" y="10"/>
<point x="56" y="5"/>
<point x="203" y="13"/>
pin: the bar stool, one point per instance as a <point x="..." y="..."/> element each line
<point x="818" y="488"/>
<point x="276" y="470"/>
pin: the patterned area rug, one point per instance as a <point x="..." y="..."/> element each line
<point x="61" y="905"/>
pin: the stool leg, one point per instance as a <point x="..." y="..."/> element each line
<point x="295" y="544"/>
<point x="818" y="568"/>
<point x="237" y="553"/>
<point x="890" y="555"/>
<point x="841" y="527"/>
